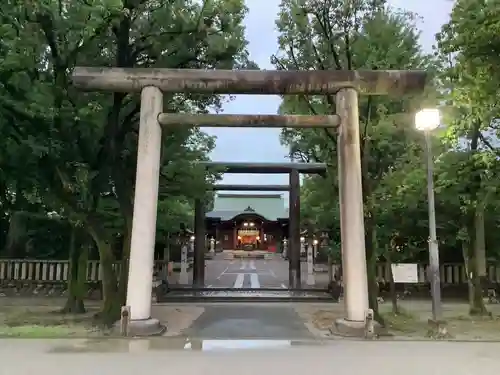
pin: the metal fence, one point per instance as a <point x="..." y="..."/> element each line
<point x="30" y="270"/>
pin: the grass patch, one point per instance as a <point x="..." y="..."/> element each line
<point x="474" y="327"/>
<point x="44" y="321"/>
<point x="404" y="323"/>
<point x="324" y="319"/>
<point x="34" y="331"/>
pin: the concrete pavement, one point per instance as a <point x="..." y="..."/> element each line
<point x="254" y="273"/>
<point x="243" y="321"/>
<point x="247" y="273"/>
<point x="211" y="357"/>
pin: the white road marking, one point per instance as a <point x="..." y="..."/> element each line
<point x="243" y="265"/>
<point x="254" y="281"/>
<point x="209" y="286"/>
<point x="239" y="281"/>
<point x="283" y="286"/>
<point x="223" y="272"/>
<point x="273" y="274"/>
<point x="252" y="265"/>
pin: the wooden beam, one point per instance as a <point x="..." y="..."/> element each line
<point x="249" y="121"/>
<point x="251" y="187"/>
<point x="266" y="82"/>
<point x="266" y="168"/>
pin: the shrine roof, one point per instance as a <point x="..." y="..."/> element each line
<point x="269" y="206"/>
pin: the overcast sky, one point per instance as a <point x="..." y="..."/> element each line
<point x="262" y="145"/>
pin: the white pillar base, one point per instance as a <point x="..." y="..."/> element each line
<point x="144" y="327"/>
<point x="348" y="328"/>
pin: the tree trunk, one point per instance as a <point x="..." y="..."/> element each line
<point x="476" y="302"/>
<point x="392" y="284"/>
<point x="111" y="304"/>
<point x="78" y="257"/>
<point x="330" y="270"/>
<point x="465" y="255"/>
<point x="371" y="262"/>
<point x="480" y="247"/>
<point x="16" y="236"/>
<point x="477" y="306"/>
<point x="123" y="280"/>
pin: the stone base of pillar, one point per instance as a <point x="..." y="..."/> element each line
<point x="144" y="327"/>
<point x="351" y="328"/>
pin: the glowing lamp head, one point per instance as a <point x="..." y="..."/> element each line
<point x="427" y="119"/>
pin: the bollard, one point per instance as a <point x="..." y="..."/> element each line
<point x="124" y="320"/>
<point x="369" y="324"/>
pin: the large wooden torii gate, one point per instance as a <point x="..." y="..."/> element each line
<point x="152" y="83"/>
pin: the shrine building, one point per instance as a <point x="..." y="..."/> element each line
<point x="248" y="221"/>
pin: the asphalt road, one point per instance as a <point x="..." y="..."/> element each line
<point x="210" y="357"/>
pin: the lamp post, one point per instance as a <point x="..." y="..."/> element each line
<point x="427" y="120"/>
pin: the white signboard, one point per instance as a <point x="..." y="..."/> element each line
<point x="405" y="272"/>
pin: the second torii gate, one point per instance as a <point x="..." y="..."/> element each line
<point x="293" y="170"/>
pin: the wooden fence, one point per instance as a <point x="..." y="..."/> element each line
<point x="30" y="270"/>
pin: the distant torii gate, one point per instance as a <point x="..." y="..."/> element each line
<point x="293" y="170"/>
<point x="345" y="85"/>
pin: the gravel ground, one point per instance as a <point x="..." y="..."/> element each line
<point x="35" y="317"/>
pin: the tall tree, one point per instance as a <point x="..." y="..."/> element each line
<point x="340" y="34"/>
<point x="101" y="164"/>
<point x="467" y="46"/>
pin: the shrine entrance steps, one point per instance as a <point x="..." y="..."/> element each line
<point x="248" y="254"/>
<point x="182" y="295"/>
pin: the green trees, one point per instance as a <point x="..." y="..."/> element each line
<point x="467" y="46"/>
<point x="79" y="149"/>
<point x="371" y="35"/>
<point x="353" y="35"/>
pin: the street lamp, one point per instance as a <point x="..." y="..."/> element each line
<point x="427" y="120"/>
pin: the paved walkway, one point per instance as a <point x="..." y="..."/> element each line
<point x="246" y="321"/>
<point x="78" y="357"/>
<point x="253" y="273"/>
